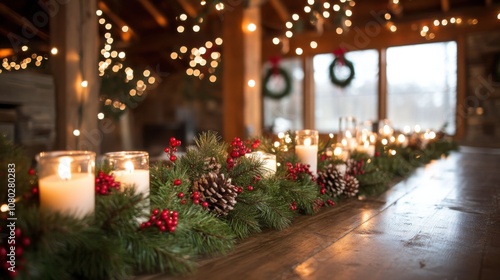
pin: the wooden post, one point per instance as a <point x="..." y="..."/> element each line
<point x="242" y="105"/>
<point x="74" y="33"/>
<point x="308" y="94"/>
<point x="461" y="112"/>
<point x="382" y="85"/>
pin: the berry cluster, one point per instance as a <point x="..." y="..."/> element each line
<point x="318" y="204"/>
<point x="354" y="167"/>
<point x="298" y="171"/>
<point x="11" y="251"/>
<point x="105" y="183"/>
<point x="293" y="206"/>
<point x="255" y="144"/>
<point x="238" y="149"/>
<point x="164" y="220"/>
<point x="174" y="143"/>
<point x="34" y="185"/>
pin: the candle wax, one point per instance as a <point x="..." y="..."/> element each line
<point x="75" y="196"/>
<point x="137" y="178"/>
<point x="308" y="155"/>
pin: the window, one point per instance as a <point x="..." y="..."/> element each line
<point x="285" y="113"/>
<point x="421" y="85"/>
<point x="359" y="99"/>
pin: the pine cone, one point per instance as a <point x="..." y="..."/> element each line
<point x="217" y="191"/>
<point x="332" y="180"/>
<point x="351" y="186"/>
<point x="211" y="165"/>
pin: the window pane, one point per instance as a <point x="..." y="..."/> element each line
<point x="359" y="99"/>
<point x="421" y="85"/>
<point x="285" y="113"/>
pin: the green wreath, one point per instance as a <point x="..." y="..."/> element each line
<point x="335" y="80"/>
<point x="277" y="94"/>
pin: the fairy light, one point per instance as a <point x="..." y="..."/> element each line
<point x="251" y="83"/>
<point x="76" y="132"/>
<point x="180" y="28"/>
<point x="125" y="29"/>
<point x="299" y="51"/>
<point x="100" y="116"/>
<point x="98" y="13"/>
<point x="251" y="27"/>
<point x="183" y="17"/>
<point x="313" y="44"/>
<point x="276" y="40"/>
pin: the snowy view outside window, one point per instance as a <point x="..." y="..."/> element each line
<point x="359" y="99"/>
<point x="422" y="81"/>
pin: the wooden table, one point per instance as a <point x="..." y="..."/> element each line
<point x="443" y="222"/>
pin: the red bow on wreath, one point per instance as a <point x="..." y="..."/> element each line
<point x="339" y="53"/>
<point x="275" y="62"/>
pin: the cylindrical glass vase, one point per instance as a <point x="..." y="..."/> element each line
<point x="67" y="182"/>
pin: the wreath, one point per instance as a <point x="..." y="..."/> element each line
<point x="277" y="94"/>
<point x="335" y="80"/>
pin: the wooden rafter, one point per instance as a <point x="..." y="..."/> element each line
<point x="188" y="8"/>
<point x="21" y="21"/>
<point x="281" y="9"/>
<point x="445" y="5"/>
<point x="160" y="19"/>
<point x="117" y="20"/>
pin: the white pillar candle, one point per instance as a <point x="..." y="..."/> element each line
<point x="67" y="182"/>
<point x="370" y="150"/>
<point x="131" y="169"/>
<point x="342" y="168"/>
<point x="268" y="162"/>
<point x="306" y="148"/>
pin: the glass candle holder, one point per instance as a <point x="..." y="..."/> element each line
<point x="348" y="133"/>
<point x="268" y="161"/>
<point x="130" y="168"/>
<point x="306" y="148"/>
<point x="67" y="182"/>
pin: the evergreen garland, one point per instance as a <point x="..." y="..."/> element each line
<point x="112" y="244"/>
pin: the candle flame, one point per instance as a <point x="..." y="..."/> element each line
<point x="129" y="167"/>
<point x="367" y="144"/>
<point x="417" y="128"/>
<point x="387" y="130"/>
<point x="307" y="142"/>
<point x="372" y="138"/>
<point x="401" y="138"/>
<point x="64" y="168"/>
<point x="348" y="134"/>
<point x="384" y="142"/>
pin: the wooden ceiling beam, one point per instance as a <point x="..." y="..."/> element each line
<point x="188" y="8"/>
<point x="281" y="9"/>
<point x="160" y="19"/>
<point x="22" y="21"/>
<point x="445" y="5"/>
<point x="118" y="21"/>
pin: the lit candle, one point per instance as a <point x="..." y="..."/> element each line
<point x="67" y="182"/>
<point x="131" y="169"/>
<point x="306" y="148"/>
<point x="268" y="162"/>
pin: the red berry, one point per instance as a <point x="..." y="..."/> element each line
<point x="204" y="204"/>
<point x="173" y="158"/>
<point x="171" y="229"/>
<point x="239" y="190"/>
<point x="377" y="154"/>
<point x="166" y="150"/>
<point x="250" y="188"/>
<point x="163" y="228"/>
<point x="178" y="143"/>
<point x="235" y="154"/>
<point x="173" y="141"/>
<point x="230" y="160"/>
<point x="31" y="171"/>
<point x="19" y="251"/>
<point x="180" y="195"/>
<point x="143" y="226"/>
<point x="159" y="223"/>
<point x="196" y="201"/>
<point x="155" y="211"/>
<point x="18" y="232"/>
<point x="177" y="182"/>
<point x="322" y="191"/>
<point x="183" y="201"/>
<point x="34" y="190"/>
<point x="26" y="241"/>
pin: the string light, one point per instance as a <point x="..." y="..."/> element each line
<point x="251" y="83"/>
<point x="251" y="27"/>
